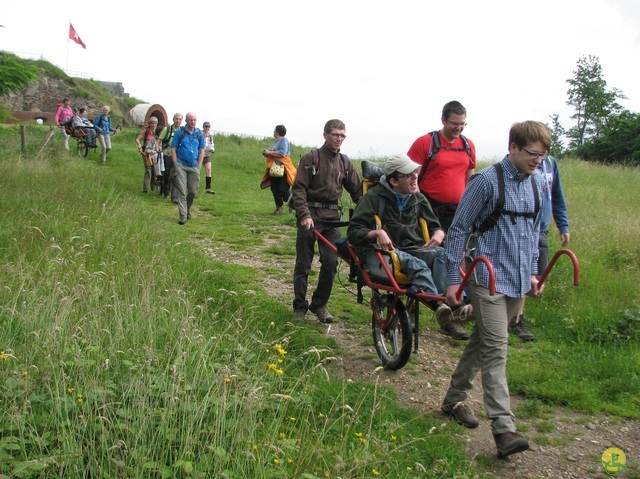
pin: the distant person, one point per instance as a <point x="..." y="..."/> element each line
<point x="511" y="245"/>
<point x="448" y="160"/>
<point x="168" y="175"/>
<point x="81" y="123"/>
<point x="62" y="118"/>
<point x="279" y="154"/>
<point x="555" y="205"/>
<point x="209" y="149"/>
<point x="316" y="192"/>
<point x="187" y="153"/>
<point x="148" y="148"/>
<point x="102" y="123"/>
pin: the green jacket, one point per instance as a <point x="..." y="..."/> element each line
<point x="402" y="227"/>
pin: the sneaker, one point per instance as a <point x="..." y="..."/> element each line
<point x="518" y="327"/>
<point x="210" y="191"/>
<point x="462" y="414"/>
<point x="323" y="314"/>
<point x="464" y="314"/>
<point x="455" y="331"/>
<point x="182" y="221"/>
<point x="299" y="314"/>
<point x="510" y="443"/>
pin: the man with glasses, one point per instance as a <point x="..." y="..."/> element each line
<point x="448" y="160"/>
<point x="187" y="154"/>
<point x="511" y="245"/>
<point x="316" y="191"/>
<point x="397" y="201"/>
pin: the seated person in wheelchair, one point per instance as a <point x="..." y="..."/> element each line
<point x="82" y="123"/>
<point x="397" y="202"/>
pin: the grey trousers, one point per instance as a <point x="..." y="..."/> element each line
<point x="486" y="351"/>
<point x="187" y="182"/>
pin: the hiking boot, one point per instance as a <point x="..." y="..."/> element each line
<point x="518" y="327"/>
<point x="455" y="331"/>
<point x="464" y="314"/>
<point x="182" y="221"/>
<point x="278" y="211"/>
<point x="210" y="191"/>
<point x="462" y="414"/>
<point x="323" y="314"/>
<point x="299" y="314"/>
<point x="443" y="314"/>
<point x="175" y="201"/>
<point x="510" y="443"/>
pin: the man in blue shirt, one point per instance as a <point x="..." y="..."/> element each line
<point x="556" y="206"/>
<point x="187" y="153"/>
<point x="512" y="247"/>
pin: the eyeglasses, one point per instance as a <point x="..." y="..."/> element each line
<point x="337" y="135"/>
<point x="534" y="155"/>
<point x="458" y="124"/>
<point x="415" y="173"/>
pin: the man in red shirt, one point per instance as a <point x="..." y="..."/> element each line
<point x="448" y="160"/>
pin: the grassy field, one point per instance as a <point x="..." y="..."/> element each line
<point x="129" y="352"/>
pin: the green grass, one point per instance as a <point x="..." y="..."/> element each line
<point x="129" y="351"/>
<point x="132" y="348"/>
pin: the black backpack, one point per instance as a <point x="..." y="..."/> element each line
<point x="435" y="147"/>
<point x="492" y="220"/>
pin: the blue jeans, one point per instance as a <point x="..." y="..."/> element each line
<point x="426" y="268"/>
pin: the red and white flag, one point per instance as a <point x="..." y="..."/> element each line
<point x="73" y="35"/>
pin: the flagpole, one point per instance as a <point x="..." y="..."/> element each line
<point x="67" y="69"/>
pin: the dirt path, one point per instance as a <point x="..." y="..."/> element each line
<point x="564" y="444"/>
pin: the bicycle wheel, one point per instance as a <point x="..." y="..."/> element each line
<point x="391" y="330"/>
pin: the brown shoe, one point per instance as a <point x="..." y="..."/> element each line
<point x="299" y="314"/>
<point x="510" y="443"/>
<point x="462" y="414"/>
<point x="278" y="211"/>
<point x="455" y="331"/>
<point x="323" y="314"/>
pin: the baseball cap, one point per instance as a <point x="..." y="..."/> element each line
<point x="400" y="163"/>
<point x="205" y="124"/>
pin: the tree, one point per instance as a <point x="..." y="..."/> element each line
<point x="594" y="105"/>
<point x="619" y="143"/>
<point x="557" y="132"/>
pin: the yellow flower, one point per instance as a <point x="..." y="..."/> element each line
<point x="79" y="398"/>
<point x="394" y="438"/>
<point x="25" y="374"/>
<point x="282" y="435"/>
<point x="70" y="390"/>
<point x="255" y="447"/>
<point x="292" y="419"/>
<point x="279" y="372"/>
<point x="289" y="460"/>
<point x="363" y="440"/>
<point x="320" y="416"/>
<point x="359" y="434"/>
<point x="280" y="350"/>
<point x="227" y="380"/>
<point x="276" y="461"/>
<point x="375" y="472"/>
<point x="409" y="469"/>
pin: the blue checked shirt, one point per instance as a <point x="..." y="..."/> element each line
<point x="511" y="245"/>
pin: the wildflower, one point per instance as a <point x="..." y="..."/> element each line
<point x="255" y="447"/>
<point x="276" y="461"/>
<point x="320" y="416"/>
<point x="280" y="350"/>
<point x="409" y="469"/>
<point x="79" y="398"/>
<point x="327" y="475"/>
<point x="292" y="419"/>
<point x="25" y="374"/>
<point x="394" y="438"/>
<point x="266" y="351"/>
<point x="227" y="380"/>
<point x="3" y="356"/>
<point x="289" y="461"/>
<point x="375" y="472"/>
<point x="70" y="390"/>
<point x="359" y="434"/>
<point x="282" y="435"/>
<point x="363" y="440"/>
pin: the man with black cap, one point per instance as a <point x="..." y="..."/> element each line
<point x="397" y="200"/>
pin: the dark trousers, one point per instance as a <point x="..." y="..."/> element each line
<point x="444" y="212"/>
<point x="305" y="243"/>
<point x="168" y="179"/>
<point x="280" y="190"/>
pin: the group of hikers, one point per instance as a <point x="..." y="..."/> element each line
<point x="502" y="213"/>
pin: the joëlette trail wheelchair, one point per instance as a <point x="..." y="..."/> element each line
<point x="82" y="145"/>
<point x="395" y="303"/>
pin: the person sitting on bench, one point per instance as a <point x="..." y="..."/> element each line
<point x="397" y="201"/>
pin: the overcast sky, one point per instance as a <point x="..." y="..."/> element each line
<point x="384" y="68"/>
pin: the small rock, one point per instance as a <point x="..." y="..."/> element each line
<point x="590" y="426"/>
<point x="572" y="459"/>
